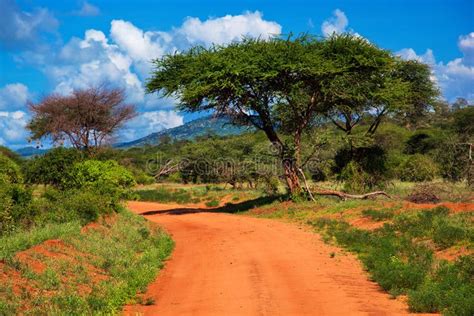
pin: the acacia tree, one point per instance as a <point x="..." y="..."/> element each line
<point x="280" y="86"/>
<point x="251" y="82"/>
<point x="368" y="90"/>
<point x="86" y="119"/>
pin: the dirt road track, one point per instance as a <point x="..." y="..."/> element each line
<point x="235" y="265"/>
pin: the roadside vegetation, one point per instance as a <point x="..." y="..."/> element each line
<point x="400" y="256"/>
<point x="67" y="245"/>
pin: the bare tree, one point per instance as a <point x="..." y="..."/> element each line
<point x="86" y="119"/>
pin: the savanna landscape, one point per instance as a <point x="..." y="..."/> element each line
<point x="314" y="173"/>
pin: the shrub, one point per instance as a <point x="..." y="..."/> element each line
<point x="418" y="168"/>
<point x="446" y="235"/>
<point x="449" y="290"/>
<point x="420" y="143"/>
<point x="6" y="204"/>
<point x="10" y="170"/>
<point x="212" y="203"/>
<point x="72" y="205"/>
<point x="363" y="167"/>
<point x="5" y="151"/>
<point x="53" y="168"/>
<point x="104" y="177"/>
<point x="378" y="215"/>
<point x="453" y="159"/>
<point x="162" y="194"/>
<point x="356" y="180"/>
<point x="87" y="205"/>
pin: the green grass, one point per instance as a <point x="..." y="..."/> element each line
<point x="21" y="240"/>
<point x="378" y="215"/>
<point x="212" y="203"/>
<point x="398" y="256"/>
<point x="165" y="195"/>
<point x="128" y="251"/>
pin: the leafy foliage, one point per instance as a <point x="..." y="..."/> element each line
<point x="53" y="168"/>
<point x="107" y="178"/>
<point x="418" y="168"/>
<point x="9" y="170"/>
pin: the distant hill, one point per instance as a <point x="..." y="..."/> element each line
<point x="30" y="151"/>
<point x="191" y="130"/>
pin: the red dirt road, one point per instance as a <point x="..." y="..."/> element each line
<point x="235" y="265"/>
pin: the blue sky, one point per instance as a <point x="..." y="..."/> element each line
<point x="57" y="46"/>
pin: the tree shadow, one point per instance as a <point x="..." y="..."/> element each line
<point x="228" y="208"/>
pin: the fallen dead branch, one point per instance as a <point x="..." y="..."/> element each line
<point x="345" y="196"/>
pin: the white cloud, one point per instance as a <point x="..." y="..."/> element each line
<point x="122" y="58"/>
<point x="466" y="45"/>
<point x="456" y="77"/>
<point x="335" y="24"/>
<point x="13" y="96"/>
<point x="12" y="128"/>
<point x="338" y="23"/>
<point x="22" y="29"/>
<point x="138" y="44"/>
<point x="228" y="28"/>
<point x="87" y="9"/>
<point x="149" y="122"/>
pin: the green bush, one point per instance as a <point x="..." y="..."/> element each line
<point x="103" y="177"/>
<point x="449" y="290"/>
<point x="378" y="215"/>
<point x="10" y="170"/>
<point x="361" y="168"/>
<point x="87" y="205"/>
<point x="53" y="168"/>
<point x="7" y="224"/>
<point x="82" y="205"/>
<point x="162" y="194"/>
<point x="212" y="203"/>
<point x="421" y="143"/>
<point x="446" y="234"/>
<point x="418" y="168"/>
<point x="453" y="159"/>
<point x="356" y="180"/>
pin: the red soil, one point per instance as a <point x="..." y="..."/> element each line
<point x="38" y="258"/>
<point x="451" y="254"/>
<point x="235" y="265"/>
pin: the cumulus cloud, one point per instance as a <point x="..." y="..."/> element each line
<point x="13" y="97"/>
<point x="336" y="24"/>
<point x="12" y="128"/>
<point x="456" y="77"/>
<point x="122" y="58"/>
<point x="20" y="29"/>
<point x="228" y="28"/>
<point x="87" y="9"/>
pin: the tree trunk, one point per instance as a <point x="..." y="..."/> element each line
<point x="291" y="176"/>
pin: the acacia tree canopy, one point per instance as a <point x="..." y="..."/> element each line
<point x="281" y="86"/>
<point x="87" y="118"/>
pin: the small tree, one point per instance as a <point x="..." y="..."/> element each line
<point x="86" y="119"/>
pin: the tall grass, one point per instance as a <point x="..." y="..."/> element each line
<point x="126" y="250"/>
<point x="399" y="258"/>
